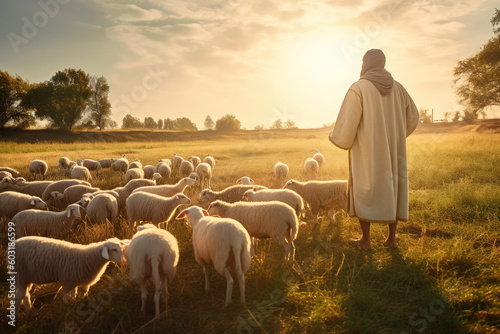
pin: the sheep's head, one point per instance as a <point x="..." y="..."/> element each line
<point x="192" y="214"/>
<point x="187" y="181"/>
<point x="182" y="199"/>
<point x="156" y="176"/>
<point x="206" y="195"/>
<point x="194" y="176"/>
<point x="37" y="203"/>
<point x="56" y="195"/>
<point x="214" y="208"/>
<point x="248" y="194"/>
<point x="20" y="181"/>
<point x="73" y="211"/>
<point x="289" y="185"/>
<point x="113" y="249"/>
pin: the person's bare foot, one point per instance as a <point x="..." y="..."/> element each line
<point x="391" y="243"/>
<point x="363" y="244"/>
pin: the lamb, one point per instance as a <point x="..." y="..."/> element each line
<point x="60" y="186"/>
<point x="46" y="223"/>
<point x="311" y="167"/>
<point x="328" y="195"/>
<point x="102" y="206"/>
<point x="135" y="164"/>
<point x="64" y="163"/>
<point x="152" y="253"/>
<point x="14" y="172"/>
<point x="221" y="241"/>
<point x="245" y="180"/>
<point x="168" y="190"/>
<point x="319" y="158"/>
<point x="176" y="163"/>
<point x="194" y="160"/>
<point x="210" y="160"/>
<point x="230" y="195"/>
<point x="34" y="188"/>
<point x="124" y="192"/>
<point x="12" y="202"/>
<point x="43" y="260"/>
<point x="186" y="168"/>
<point x="106" y="163"/>
<point x="281" y="195"/>
<point x="92" y="165"/>
<point x="164" y="170"/>
<point x="280" y="171"/>
<point x="134" y="173"/>
<point x="80" y="173"/>
<point x="142" y="206"/>
<point x="70" y="195"/>
<point x="120" y="165"/>
<point x="38" y="167"/>
<point x="204" y="172"/>
<point x="275" y="220"/>
<point x="165" y="161"/>
<point x="149" y="170"/>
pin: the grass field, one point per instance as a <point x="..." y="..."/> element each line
<point x="443" y="278"/>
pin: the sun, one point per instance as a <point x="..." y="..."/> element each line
<point x="321" y="62"/>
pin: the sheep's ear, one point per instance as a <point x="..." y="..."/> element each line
<point x="69" y="212"/>
<point x="182" y="215"/>
<point x="32" y="201"/>
<point x="239" y="181"/>
<point x="177" y="197"/>
<point x="104" y="252"/>
<point x="205" y="213"/>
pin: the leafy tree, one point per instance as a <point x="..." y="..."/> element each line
<point x="100" y="108"/>
<point x="456" y="117"/>
<point x="209" y="123"/>
<point x="278" y="124"/>
<point x="290" y="125"/>
<point x="131" y="122"/>
<point x="12" y="92"/>
<point x="168" y="124"/>
<point x="259" y="127"/>
<point x="228" y="123"/>
<point x="149" y="123"/>
<point x="184" y="123"/>
<point x="479" y="76"/>
<point x="425" y="116"/>
<point x="160" y="123"/>
<point x="447" y="116"/>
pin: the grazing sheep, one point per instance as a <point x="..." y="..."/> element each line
<point x="176" y="163"/>
<point x="120" y="165"/>
<point x="70" y="195"/>
<point x="5" y="174"/>
<point x="149" y="171"/>
<point x="221" y="241"/>
<point x="311" y="167"/>
<point x="80" y="173"/>
<point x="319" y="158"/>
<point x="168" y="190"/>
<point x="152" y="253"/>
<point x="14" y="172"/>
<point x="135" y="164"/>
<point x="34" y="188"/>
<point x="64" y="163"/>
<point x="79" y="162"/>
<point x="92" y="165"/>
<point x="156" y="177"/>
<point x="38" y="167"/>
<point x="143" y="206"/>
<point x="328" y="195"/>
<point x="245" y="180"/>
<point x="275" y="220"/>
<point x="46" y="223"/>
<point x="186" y="168"/>
<point x="124" y="192"/>
<point x="60" y="186"/>
<point x="204" y="172"/>
<point x="86" y="198"/>
<point x="280" y="171"/>
<point x="12" y="202"/>
<point x="101" y="207"/>
<point x="134" y="173"/>
<point x="230" y="195"/>
<point x="43" y="260"/>
<point x="194" y="160"/>
<point x="287" y="196"/>
<point x="164" y="170"/>
<point x="210" y="160"/>
<point x="164" y="161"/>
<point x="106" y="163"/>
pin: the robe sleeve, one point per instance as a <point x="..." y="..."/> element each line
<point x="412" y="116"/>
<point x="345" y="128"/>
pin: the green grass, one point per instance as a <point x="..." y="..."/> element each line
<point x="444" y="278"/>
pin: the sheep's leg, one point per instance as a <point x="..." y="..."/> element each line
<point x="207" y="282"/>
<point x="331" y="216"/>
<point x="131" y="223"/>
<point x="23" y="296"/>
<point x="165" y="286"/>
<point x="157" y="283"/>
<point x="241" y="282"/>
<point x="315" y="217"/>
<point x="144" y="296"/>
<point x="229" y="289"/>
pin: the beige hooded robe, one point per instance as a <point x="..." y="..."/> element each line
<point x="373" y="127"/>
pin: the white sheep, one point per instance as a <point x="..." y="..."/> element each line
<point x="34" y="188"/>
<point x="142" y="206"/>
<point x="124" y="192"/>
<point x="64" y="163"/>
<point x="120" y="165"/>
<point x="60" y="186"/>
<point x="152" y="252"/>
<point x="194" y="160"/>
<point x="135" y="164"/>
<point x="319" y="158"/>
<point x="134" y="173"/>
<point x="287" y="196"/>
<point x="328" y="195"/>
<point x="204" y="172"/>
<point x="79" y="162"/>
<point x="156" y="177"/>
<point x="12" y="202"/>
<point x="280" y="171"/>
<point x="231" y="194"/>
<point x="176" y="163"/>
<point x="38" y="167"/>
<point x="43" y="260"/>
<point x="14" y="172"/>
<point x="149" y="170"/>
<point x="221" y="241"/>
<point x="164" y="161"/>
<point x="92" y="165"/>
<point x="168" y="190"/>
<point x="80" y="173"/>
<point x="86" y="198"/>
<point x="245" y="180"/>
<point x="164" y="170"/>
<point x="102" y="206"/>
<point x="186" y="168"/>
<point x="106" y="162"/>
<point x="311" y="167"/>
<point x="46" y="223"/>
<point x="70" y="195"/>
<point x="275" y="220"/>
<point x="210" y="160"/>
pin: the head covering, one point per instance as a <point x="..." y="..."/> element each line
<point x="373" y="70"/>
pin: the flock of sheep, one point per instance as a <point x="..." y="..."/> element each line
<point x="223" y="233"/>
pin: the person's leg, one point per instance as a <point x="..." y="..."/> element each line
<point x="364" y="242"/>
<point x="391" y="238"/>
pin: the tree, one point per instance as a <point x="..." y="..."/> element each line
<point x="209" y="123"/>
<point x="168" y="124"/>
<point x="160" y="123"/>
<point x="456" y="117"/>
<point x="131" y="122"/>
<point x="447" y="116"/>
<point x="149" y="123"/>
<point x="259" y="127"/>
<point x="425" y="116"/>
<point x="479" y="76"/>
<point x="12" y="92"/>
<point x="290" y="125"/>
<point x="184" y="123"/>
<point x="100" y="108"/>
<point x="228" y="123"/>
<point x="278" y="124"/>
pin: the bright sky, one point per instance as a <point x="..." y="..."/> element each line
<point x="260" y="60"/>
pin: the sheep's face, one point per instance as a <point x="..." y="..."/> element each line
<point x="187" y="181"/>
<point x="213" y="208"/>
<point x="194" y="176"/>
<point x="73" y="211"/>
<point x="192" y="214"/>
<point x="206" y="196"/>
<point x="289" y="185"/>
<point x="248" y="194"/>
<point x="182" y="199"/>
<point x="37" y="203"/>
<point x="112" y="250"/>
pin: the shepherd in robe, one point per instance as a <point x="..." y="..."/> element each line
<point x="375" y="118"/>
